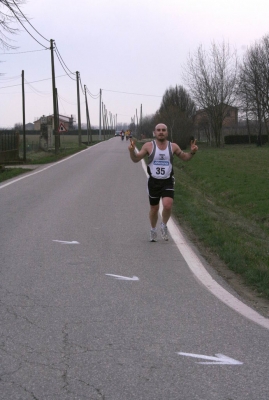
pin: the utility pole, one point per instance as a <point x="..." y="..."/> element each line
<point x="79" y="120"/>
<point x="137" y="126"/>
<point x="140" y="128"/>
<point x="56" y="137"/>
<point x="57" y="118"/>
<point x="89" y="132"/>
<point x="103" y="114"/>
<point x="23" y="117"/>
<point x="110" y="122"/>
<point x="86" y="113"/>
<point x="100" y="113"/>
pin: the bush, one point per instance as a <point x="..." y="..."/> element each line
<point x="243" y="139"/>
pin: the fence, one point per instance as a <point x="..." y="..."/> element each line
<point x="9" y="147"/>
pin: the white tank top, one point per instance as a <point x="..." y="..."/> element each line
<point x="160" y="161"/>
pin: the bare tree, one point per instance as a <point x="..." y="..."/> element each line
<point x="18" y="126"/>
<point x="177" y="111"/>
<point x="147" y="126"/>
<point x="254" y="84"/>
<point x="212" y="77"/>
<point x="9" y="13"/>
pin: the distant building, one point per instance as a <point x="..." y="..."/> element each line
<point x="68" y="122"/>
<point x="202" y="123"/>
<point x="29" y="126"/>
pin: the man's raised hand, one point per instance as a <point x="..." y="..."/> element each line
<point x="194" y="147"/>
<point x="132" y="144"/>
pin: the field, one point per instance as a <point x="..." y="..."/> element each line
<point x="222" y="202"/>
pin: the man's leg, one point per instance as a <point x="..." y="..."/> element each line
<point x="167" y="209"/>
<point x="153" y="215"/>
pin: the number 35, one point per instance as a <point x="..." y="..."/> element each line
<point x="160" y="171"/>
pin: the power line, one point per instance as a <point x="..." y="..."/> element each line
<point x="40" y="80"/>
<point x="29" y="21"/>
<point x="81" y="86"/>
<point x="66" y="101"/>
<point x="12" y="78"/>
<point x="56" y="48"/>
<point x="37" y="91"/>
<point x="93" y="96"/>
<point x="64" y="67"/>
<point x="15" y="15"/>
<point x="22" y="52"/>
<point x="136" y="94"/>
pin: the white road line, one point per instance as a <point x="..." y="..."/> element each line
<point x="205" y="278"/>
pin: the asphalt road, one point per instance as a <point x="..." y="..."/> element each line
<point x="70" y="329"/>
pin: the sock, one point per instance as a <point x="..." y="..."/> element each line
<point x="153" y="229"/>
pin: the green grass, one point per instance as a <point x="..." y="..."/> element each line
<point x="45" y="157"/>
<point x="42" y="157"/>
<point x="11" y="173"/>
<point x="222" y="195"/>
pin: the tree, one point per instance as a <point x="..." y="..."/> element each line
<point x="212" y="81"/>
<point x="9" y="13"/>
<point x="18" y="126"/>
<point x="254" y="84"/>
<point x="177" y="111"/>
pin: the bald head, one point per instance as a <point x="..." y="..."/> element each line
<point x="161" y="132"/>
<point x="160" y="126"/>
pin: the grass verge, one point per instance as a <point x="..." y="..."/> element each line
<point x="45" y="157"/>
<point x="222" y="197"/>
<point x="11" y="173"/>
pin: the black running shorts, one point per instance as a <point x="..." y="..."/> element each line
<point x="158" y="188"/>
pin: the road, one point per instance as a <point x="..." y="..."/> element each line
<point x="91" y="310"/>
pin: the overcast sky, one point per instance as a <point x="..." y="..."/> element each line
<point x="136" y="47"/>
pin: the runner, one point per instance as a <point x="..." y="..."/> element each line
<point x="161" y="176"/>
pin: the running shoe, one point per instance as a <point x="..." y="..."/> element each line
<point x="164" y="232"/>
<point x="153" y="236"/>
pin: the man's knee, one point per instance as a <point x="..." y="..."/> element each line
<point x="154" y="209"/>
<point x="167" y="203"/>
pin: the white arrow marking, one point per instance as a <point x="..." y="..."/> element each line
<point x="124" y="278"/>
<point x="64" y="242"/>
<point x="220" y="359"/>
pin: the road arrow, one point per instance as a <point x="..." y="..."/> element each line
<point x="64" y="242"/>
<point x="124" y="278"/>
<point x="220" y="359"/>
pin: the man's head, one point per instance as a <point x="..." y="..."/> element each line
<point x="161" y="132"/>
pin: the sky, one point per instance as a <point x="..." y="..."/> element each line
<point x="133" y="51"/>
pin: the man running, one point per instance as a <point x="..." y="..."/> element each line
<point x="161" y="176"/>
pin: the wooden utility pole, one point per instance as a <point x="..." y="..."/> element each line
<point x="140" y="123"/>
<point x="55" y="130"/>
<point x="100" y="113"/>
<point x="103" y="114"/>
<point x="89" y="131"/>
<point x="79" y="120"/>
<point x="23" y="117"/>
<point x="57" y="119"/>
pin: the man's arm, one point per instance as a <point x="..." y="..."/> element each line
<point x="185" y="156"/>
<point x="139" y="155"/>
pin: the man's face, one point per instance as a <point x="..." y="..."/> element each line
<point x="161" y="132"/>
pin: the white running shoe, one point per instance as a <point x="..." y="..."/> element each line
<point x="164" y="232"/>
<point x="153" y="236"/>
